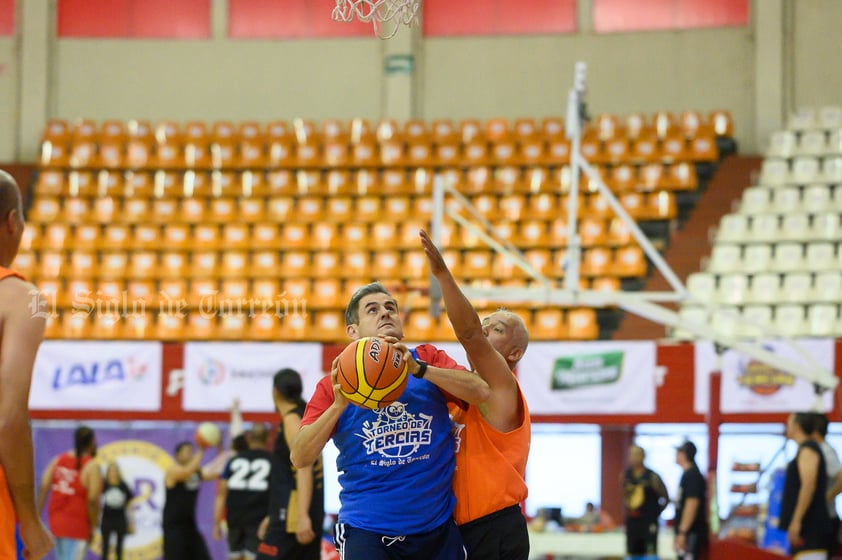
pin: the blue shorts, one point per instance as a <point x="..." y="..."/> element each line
<point x="442" y="543"/>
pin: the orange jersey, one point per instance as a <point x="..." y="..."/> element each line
<point x="8" y="517"/>
<point x="490" y="465"/>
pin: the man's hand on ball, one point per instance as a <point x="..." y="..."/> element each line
<point x="339" y="399"/>
<point x="411" y="365"/>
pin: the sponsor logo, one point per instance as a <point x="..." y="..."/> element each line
<point x="142" y="466"/>
<point x="99" y="373"/>
<point x="212" y="372"/>
<point x="396" y="434"/>
<point x="760" y="378"/>
<point x="575" y="372"/>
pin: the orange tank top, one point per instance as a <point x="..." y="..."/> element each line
<point x="7" y="508"/>
<point x="490" y="465"/>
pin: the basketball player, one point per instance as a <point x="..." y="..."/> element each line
<point x="243" y="495"/>
<point x="182" y="538"/>
<point x="74" y="483"/>
<point x="497" y="432"/>
<point x="22" y="329"/>
<point x="292" y="530"/>
<point x="645" y="497"/>
<point x="396" y="462"/>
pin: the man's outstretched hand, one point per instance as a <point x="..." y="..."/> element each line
<point x="437" y="264"/>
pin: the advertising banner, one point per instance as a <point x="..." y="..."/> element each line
<point x="751" y="386"/>
<point x="217" y="373"/>
<point x="81" y="375"/>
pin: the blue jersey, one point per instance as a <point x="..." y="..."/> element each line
<point x="396" y="463"/>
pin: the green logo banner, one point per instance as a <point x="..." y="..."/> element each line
<point x="586" y="370"/>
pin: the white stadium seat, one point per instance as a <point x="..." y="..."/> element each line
<point x="701" y="287"/>
<point x="832" y="170"/>
<point x="774" y="172"/>
<point x="726" y="321"/>
<point x="790" y="320"/>
<point x="724" y="259"/>
<point x="755" y="318"/>
<point x="823" y="319"/>
<point x="826" y="226"/>
<point x="816" y="198"/>
<point x="834" y="143"/>
<point x="765" y="288"/>
<point x="805" y="170"/>
<point x="812" y="143"/>
<point x="789" y="257"/>
<point x="796" y="287"/>
<point x="732" y="289"/>
<point x="764" y="227"/>
<point x="821" y="256"/>
<point x="796" y="227"/>
<point x="830" y="116"/>
<point x="755" y="201"/>
<point x="757" y="258"/>
<point x="782" y="144"/>
<point x="786" y="200"/>
<point x="803" y="118"/>
<point x="827" y="287"/>
<point x="690" y="314"/>
<point x="733" y="228"/>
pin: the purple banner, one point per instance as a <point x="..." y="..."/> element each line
<point x="143" y="452"/>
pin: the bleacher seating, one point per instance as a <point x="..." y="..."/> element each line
<point x="776" y="259"/>
<point x="294" y="216"/>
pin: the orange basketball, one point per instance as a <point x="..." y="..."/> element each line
<point x="371" y="373"/>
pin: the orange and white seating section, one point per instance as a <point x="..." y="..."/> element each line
<point x="776" y="259"/>
<point x="140" y="230"/>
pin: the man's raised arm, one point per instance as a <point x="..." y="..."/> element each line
<point x="502" y="404"/>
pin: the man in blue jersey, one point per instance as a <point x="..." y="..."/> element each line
<point x="396" y="462"/>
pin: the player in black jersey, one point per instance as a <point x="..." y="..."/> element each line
<point x="182" y="539"/>
<point x="292" y="530"/>
<point x="243" y="495"/>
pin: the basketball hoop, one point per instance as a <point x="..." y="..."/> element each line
<point x="385" y="15"/>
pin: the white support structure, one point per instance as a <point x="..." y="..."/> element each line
<point x="644" y="304"/>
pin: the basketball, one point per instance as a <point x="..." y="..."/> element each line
<point x="208" y="435"/>
<point x="371" y="373"/>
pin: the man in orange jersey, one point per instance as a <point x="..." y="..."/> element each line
<point x="492" y="439"/>
<point x="21" y="329"/>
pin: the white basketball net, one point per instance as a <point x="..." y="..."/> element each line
<point x="378" y="12"/>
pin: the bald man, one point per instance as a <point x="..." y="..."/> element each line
<point x="21" y="331"/>
<point x="492" y="439"/>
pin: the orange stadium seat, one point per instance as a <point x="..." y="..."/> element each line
<point x="83" y="154"/>
<point x="553" y="127"/>
<point x="25" y="264"/>
<point x="592" y="232"/>
<point x="703" y="148"/>
<point x="582" y="324"/>
<point x="324" y="236"/>
<point x="328" y="326"/>
<point x="234" y="264"/>
<point x="200" y="326"/>
<point x="57" y="130"/>
<point x="264" y="326"/>
<point x="722" y="123"/>
<point x="170" y="326"/>
<point x="689" y="122"/>
<point x="75" y="326"/>
<point x="233" y="325"/>
<point x="327" y="293"/>
<point x="56" y="236"/>
<point x="203" y="293"/>
<point x="50" y="264"/>
<point x="548" y="324"/>
<point x="597" y="261"/>
<point x="387" y="264"/>
<point x="630" y="262"/>
<point x="295" y="326"/>
<point x="83" y="264"/>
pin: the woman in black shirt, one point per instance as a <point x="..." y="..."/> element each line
<point x="115" y="511"/>
<point x="808" y="526"/>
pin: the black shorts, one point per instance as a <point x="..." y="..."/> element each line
<point x="442" y="543"/>
<point x="501" y="535"/>
<point x="184" y="541"/>
<point x="641" y="537"/>
<point x="242" y="539"/>
<point x="277" y="544"/>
